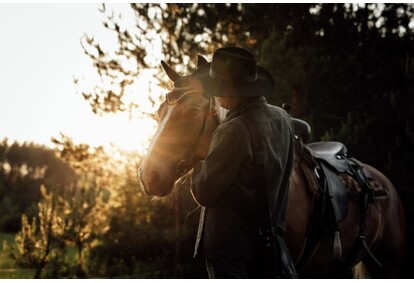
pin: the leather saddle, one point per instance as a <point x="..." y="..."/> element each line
<point x="331" y="162"/>
<point x="331" y="158"/>
<point x="332" y="153"/>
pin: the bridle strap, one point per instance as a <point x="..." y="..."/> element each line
<point x="178" y="93"/>
<point x="185" y="164"/>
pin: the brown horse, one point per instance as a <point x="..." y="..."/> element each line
<point x="187" y="122"/>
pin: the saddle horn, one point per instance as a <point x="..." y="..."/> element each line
<point x="173" y="75"/>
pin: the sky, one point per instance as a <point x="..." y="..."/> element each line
<point x="40" y="53"/>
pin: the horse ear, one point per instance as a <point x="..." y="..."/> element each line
<point x="173" y="75"/>
<point x="201" y="61"/>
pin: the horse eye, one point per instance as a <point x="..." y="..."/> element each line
<point x="193" y="111"/>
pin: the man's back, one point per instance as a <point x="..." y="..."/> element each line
<point x="226" y="184"/>
<point x="277" y="136"/>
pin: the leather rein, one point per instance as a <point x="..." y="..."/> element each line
<point x="174" y="97"/>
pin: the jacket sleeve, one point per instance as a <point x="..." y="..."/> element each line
<point x="229" y="148"/>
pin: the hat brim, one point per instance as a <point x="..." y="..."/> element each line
<point x="202" y="81"/>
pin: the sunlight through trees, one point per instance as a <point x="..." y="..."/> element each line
<point x="348" y="69"/>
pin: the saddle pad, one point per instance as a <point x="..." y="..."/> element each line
<point x="353" y="189"/>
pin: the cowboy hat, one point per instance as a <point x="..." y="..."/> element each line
<point x="233" y="71"/>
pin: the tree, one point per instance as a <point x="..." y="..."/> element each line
<point x="70" y="215"/>
<point x="174" y="32"/>
<point x="23" y="168"/>
<point x="38" y="246"/>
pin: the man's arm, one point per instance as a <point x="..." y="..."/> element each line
<point x="229" y="148"/>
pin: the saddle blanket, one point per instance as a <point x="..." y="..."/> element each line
<point x="353" y="189"/>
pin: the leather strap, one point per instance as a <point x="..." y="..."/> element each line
<point x="275" y="246"/>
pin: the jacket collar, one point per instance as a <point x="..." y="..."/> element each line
<point x="244" y="106"/>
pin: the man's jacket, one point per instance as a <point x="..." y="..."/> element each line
<point x="224" y="183"/>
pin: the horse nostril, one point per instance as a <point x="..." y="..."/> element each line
<point x="152" y="182"/>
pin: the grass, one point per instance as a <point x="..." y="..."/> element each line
<point x="8" y="269"/>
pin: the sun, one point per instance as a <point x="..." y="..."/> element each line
<point x="127" y="130"/>
<point x="136" y="135"/>
<point x="123" y="132"/>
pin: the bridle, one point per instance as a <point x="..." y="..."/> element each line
<point x="174" y="97"/>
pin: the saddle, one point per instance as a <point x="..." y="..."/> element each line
<point x="334" y="178"/>
<point x="345" y="176"/>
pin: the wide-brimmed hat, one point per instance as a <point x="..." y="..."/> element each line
<point x="233" y="71"/>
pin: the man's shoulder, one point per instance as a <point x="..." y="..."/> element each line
<point x="235" y="126"/>
<point x="276" y="111"/>
<point x="231" y="133"/>
<point x="234" y="123"/>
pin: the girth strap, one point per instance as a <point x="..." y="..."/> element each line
<point x="362" y="176"/>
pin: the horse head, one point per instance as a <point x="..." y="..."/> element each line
<point x="187" y="120"/>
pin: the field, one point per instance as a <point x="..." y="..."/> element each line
<point x="7" y="267"/>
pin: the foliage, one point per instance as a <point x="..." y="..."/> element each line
<point x="37" y="246"/>
<point x="73" y="216"/>
<point x="23" y="168"/>
<point x="113" y="226"/>
<point x="135" y="245"/>
<point x="320" y="55"/>
<point x="174" y="32"/>
<point x="8" y="268"/>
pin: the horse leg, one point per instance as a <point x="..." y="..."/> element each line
<point x="389" y="248"/>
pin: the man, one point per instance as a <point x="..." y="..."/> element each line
<point x="225" y="184"/>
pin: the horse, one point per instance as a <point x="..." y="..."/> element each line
<point x="187" y="120"/>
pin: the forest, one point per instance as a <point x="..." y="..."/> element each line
<point x="348" y="70"/>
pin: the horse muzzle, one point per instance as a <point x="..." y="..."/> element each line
<point x="153" y="183"/>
